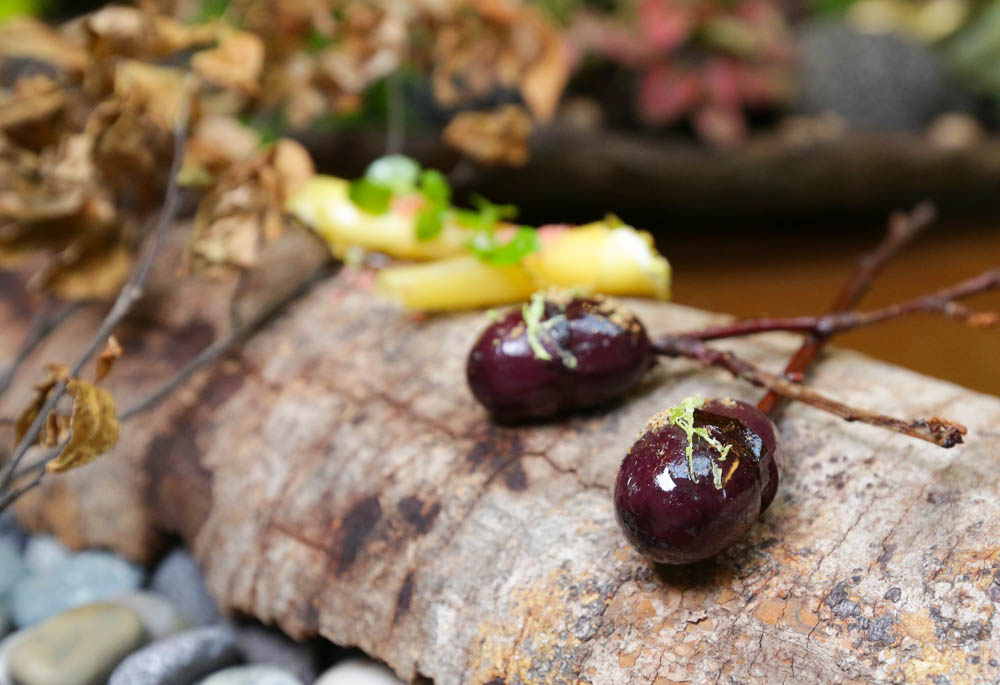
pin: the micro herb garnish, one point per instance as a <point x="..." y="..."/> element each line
<point x="535" y="328"/>
<point x="370" y="196"/>
<point x="385" y="177"/>
<point x="532" y="314"/>
<point x="682" y="416"/>
<point x="524" y="242"/>
<point x="437" y="193"/>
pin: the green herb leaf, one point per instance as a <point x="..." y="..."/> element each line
<point x="488" y="209"/>
<point x="430" y="221"/>
<point x="524" y="242"/>
<point x="369" y="196"/>
<point x="398" y="173"/>
<point x="435" y="188"/>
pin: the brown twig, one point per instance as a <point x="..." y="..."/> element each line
<point x="935" y="430"/>
<point x="941" y="302"/>
<point x="130" y="293"/>
<point x="217" y="348"/>
<point x="903" y="228"/>
<point x="44" y="323"/>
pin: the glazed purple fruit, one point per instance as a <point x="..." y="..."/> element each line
<point x="572" y="353"/>
<point x="677" y="510"/>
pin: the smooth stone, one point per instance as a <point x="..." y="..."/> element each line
<point x="880" y="82"/>
<point x="11" y="530"/>
<point x="77" y="647"/>
<point x="179" y="660"/>
<point x="159" y="617"/>
<point x="7" y="645"/>
<point x="257" y="674"/>
<point x="82" y="579"/>
<point x="178" y="578"/>
<point x="12" y="567"/>
<point x="359" y="672"/>
<point x="261" y="644"/>
<point x="42" y="553"/>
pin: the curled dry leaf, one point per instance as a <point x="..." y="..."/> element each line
<point x="497" y="137"/>
<point x="93" y="427"/>
<point x="112" y="351"/>
<point x="135" y="32"/>
<point x="157" y="91"/>
<point x="55" y="373"/>
<point x="92" y="267"/>
<point x="27" y="38"/>
<point x="245" y="208"/>
<point x="483" y="45"/>
<point x="217" y="143"/>
<point x="236" y="62"/>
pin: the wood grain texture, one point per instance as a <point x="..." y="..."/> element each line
<point x="336" y="477"/>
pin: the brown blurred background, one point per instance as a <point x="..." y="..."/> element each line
<point x="786" y="271"/>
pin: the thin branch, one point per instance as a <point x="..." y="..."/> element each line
<point x="44" y="323"/>
<point x="219" y="347"/>
<point x="129" y="295"/>
<point x="903" y="228"/>
<point x="11" y="496"/>
<point x="941" y="302"/>
<point x="938" y="431"/>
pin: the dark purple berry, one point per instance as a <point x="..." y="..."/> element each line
<point x="557" y="355"/>
<point x="696" y="480"/>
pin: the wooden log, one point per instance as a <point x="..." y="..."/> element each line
<point x="336" y="477"/>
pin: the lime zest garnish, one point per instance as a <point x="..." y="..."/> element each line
<point x="532" y="314"/>
<point x="682" y="416"/>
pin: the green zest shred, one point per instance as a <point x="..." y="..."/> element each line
<point x="535" y="328"/>
<point x="682" y="416"/>
<point x="532" y="314"/>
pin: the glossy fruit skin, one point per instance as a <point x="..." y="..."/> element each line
<point x="598" y="351"/>
<point x="672" y="518"/>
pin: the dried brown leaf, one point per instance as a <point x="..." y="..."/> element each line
<point x="217" y="144"/>
<point x="112" y="351"/>
<point x="91" y="268"/>
<point x="293" y="165"/>
<point x="93" y="427"/>
<point x="236" y="62"/>
<point x="497" y="137"/>
<point x="55" y="373"/>
<point x="158" y="91"/>
<point x="28" y="38"/>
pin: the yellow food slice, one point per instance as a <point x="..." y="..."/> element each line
<point x="604" y="257"/>
<point x="325" y="206"/>
<point x="455" y="283"/>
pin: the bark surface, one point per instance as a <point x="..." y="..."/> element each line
<point x="335" y="476"/>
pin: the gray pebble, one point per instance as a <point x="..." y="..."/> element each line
<point x="12" y="568"/>
<point x="11" y="530"/>
<point x="159" y="617"/>
<point x="258" y="674"/>
<point x="83" y="578"/>
<point x="261" y="644"/>
<point x="178" y="578"/>
<point x="7" y="645"/>
<point x="76" y="647"/>
<point x="359" y="672"/>
<point x="179" y="660"/>
<point x="44" y="552"/>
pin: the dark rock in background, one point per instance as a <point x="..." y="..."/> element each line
<point x="881" y="82"/>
